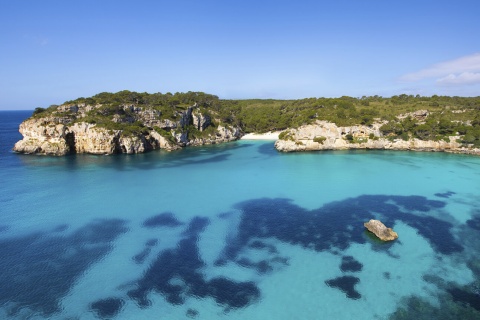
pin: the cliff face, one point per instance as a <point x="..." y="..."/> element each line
<point x="68" y="130"/>
<point x="327" y="136"/>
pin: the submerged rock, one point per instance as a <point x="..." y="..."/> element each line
<point x="380" y="230"/>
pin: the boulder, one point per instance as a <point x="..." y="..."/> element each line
<point x="380" y="230"/>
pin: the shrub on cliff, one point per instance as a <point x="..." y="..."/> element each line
<point x="285" y="135"/>
<point x="472" y="136"/>
<point x="38" y="110"/>
<point x="319" y="139"/>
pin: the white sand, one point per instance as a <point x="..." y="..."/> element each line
<point x="261" y="136"/>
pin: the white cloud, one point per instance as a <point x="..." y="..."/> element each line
<point x="459" y="79"/>
<point x="464" y="70"/>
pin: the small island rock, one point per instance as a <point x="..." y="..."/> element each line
<point x="380" y="230"/>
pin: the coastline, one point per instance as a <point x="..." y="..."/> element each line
<point x="271" y="135"/>
<point x="328" y="136"/>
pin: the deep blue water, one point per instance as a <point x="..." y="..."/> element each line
<point x="237" y="231"/>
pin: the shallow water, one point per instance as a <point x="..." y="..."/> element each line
<point x="237" y="231"/>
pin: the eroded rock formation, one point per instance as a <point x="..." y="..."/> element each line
<point x="380" y="230"/>
<point x="325" y="135"/>
<point x="69" y="130"/>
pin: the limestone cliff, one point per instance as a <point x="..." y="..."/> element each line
<point x="328" y="136"/>
<point x="129" y="129"/>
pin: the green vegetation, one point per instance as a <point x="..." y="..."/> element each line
<point x="195" y="133"/>
<point x="38" y="110"/>
<point x="286" y="135"/>
<point x="159" y="100"/>
<point x="319" y="139"/>
<point x="437" y="126"/>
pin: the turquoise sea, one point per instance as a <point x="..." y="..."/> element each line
<point x="237" y="231"/>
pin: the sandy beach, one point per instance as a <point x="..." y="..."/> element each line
<point x="261" y="136"/>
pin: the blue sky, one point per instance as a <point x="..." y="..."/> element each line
<point x="53" y="51"/>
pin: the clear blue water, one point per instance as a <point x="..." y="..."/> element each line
<point x="237" y="231"/>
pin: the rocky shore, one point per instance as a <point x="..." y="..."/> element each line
<point x="67" y="130"/>
<point x="137" y="128"/>
<point x="328" y="136"/>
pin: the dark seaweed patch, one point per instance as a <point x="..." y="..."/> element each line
<point x="459" y="295"/>
<point x="268" y="149"/>
<point x="280" y="260"/>
<point x="418" y="308"/>
<point x="192" y="313"/>
<point x="279" y="218"/>
<point x="60" y="228"/>
<point x="220" y="262"/>
<point x="435" y="230"/>
<point x="474" y="223"/>
<point x="233" y="294"/>
<point x="49" y="264"/>
<point x="257" y="244"/>
<point x="350" y="264"/>
<point x="225" y="215"/>
<point x="176" y="274"/>
<point x="151" y="243"/>
<point x="416" y="203"/>
<point x="196" y="226"/>
<point x="336" y="225"/>
<point x="213" y="159"/>
<point x="261" y="266"/>
<point x="165" y="219"/>
<point x="140" y="257"/>
<point x="387" y="275"/>
<point x="347" y="285"/>
<point x="107" y="308"/>
<point x="447" y="194"/>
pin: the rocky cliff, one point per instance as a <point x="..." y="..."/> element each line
<point x="96" y="129"/>
<point x="327" y="136"/>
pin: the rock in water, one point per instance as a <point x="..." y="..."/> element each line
<point x="380" y="230"/>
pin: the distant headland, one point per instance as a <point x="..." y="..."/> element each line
<point x="132" y="122"/>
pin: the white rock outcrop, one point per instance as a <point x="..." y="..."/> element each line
<point x="62" y="131"/>
<point x="46" y="135"/>
<point x="325" y="135"/>
<point x="90" y="139"/>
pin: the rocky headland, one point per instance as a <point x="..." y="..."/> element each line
<point x="323" y="135"/>
<point x="127" y="128"/>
